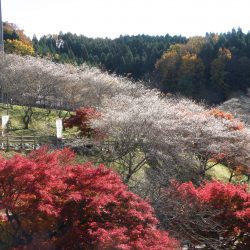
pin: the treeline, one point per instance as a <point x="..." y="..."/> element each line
<point x="211" y="68"/>
<point x="126" y="55"/>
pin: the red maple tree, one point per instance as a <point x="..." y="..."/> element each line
<point x="47" y="203"/>
<point x="81" y="120"/>
<point x="214" y="214"/>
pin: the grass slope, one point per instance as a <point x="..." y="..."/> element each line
<point x="43" y="121"/>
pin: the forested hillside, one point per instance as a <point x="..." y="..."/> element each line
<point x="211" y="68"/>
<point x="163" y="148"/>
<point x="133" y="55"/>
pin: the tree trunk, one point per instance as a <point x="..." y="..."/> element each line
<point x="28" y="112"/>
<point x="231" y="176"/>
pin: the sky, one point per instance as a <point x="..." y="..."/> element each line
<point x="112" y="18"/>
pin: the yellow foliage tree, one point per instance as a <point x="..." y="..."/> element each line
<point x="225" y="54"/>
<point x="169" y="62"/>
<point x="18" y="47"/>
<point x="12" y="32"/>
<point x="181" y="67"/>
<point x="195" y="44"/>
<point x="16" y="41"/>
<point x="192" y="65"/>
<point x="218" y="67"/>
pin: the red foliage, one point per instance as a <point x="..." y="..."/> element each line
<point x="46" y="203"/>
<point x="221" y="114"/>
<point x="234" y="125"/>
<point x="222" y="210"/>
<point x="81" y="120"/>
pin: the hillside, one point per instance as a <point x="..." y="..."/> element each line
<point x="209" y="68"/>
<point x="239" y="107"/>
<point x="129" y="129"/>
<point x="149" y="142"/>
<point x="42" y="121"/>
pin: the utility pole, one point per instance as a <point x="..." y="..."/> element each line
<point x="1" y="31"/>
<point x="1" y="50"/>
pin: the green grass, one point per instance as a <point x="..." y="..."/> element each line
<point x="43" y="122"/>
<point x="219" y="172"/>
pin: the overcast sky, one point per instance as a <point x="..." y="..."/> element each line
<point x="111" y="18"/>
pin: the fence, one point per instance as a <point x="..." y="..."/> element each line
<point x="26" y="143"/>
<point x="29" y="143"/>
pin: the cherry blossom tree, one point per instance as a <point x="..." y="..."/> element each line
<point x="175" y="137"/>
<point x="45" y="82"/>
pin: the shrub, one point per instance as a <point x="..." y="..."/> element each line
<point x="215" y="214"/>
<point x="47" y="203"/>
<point x="81" y="120"/>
